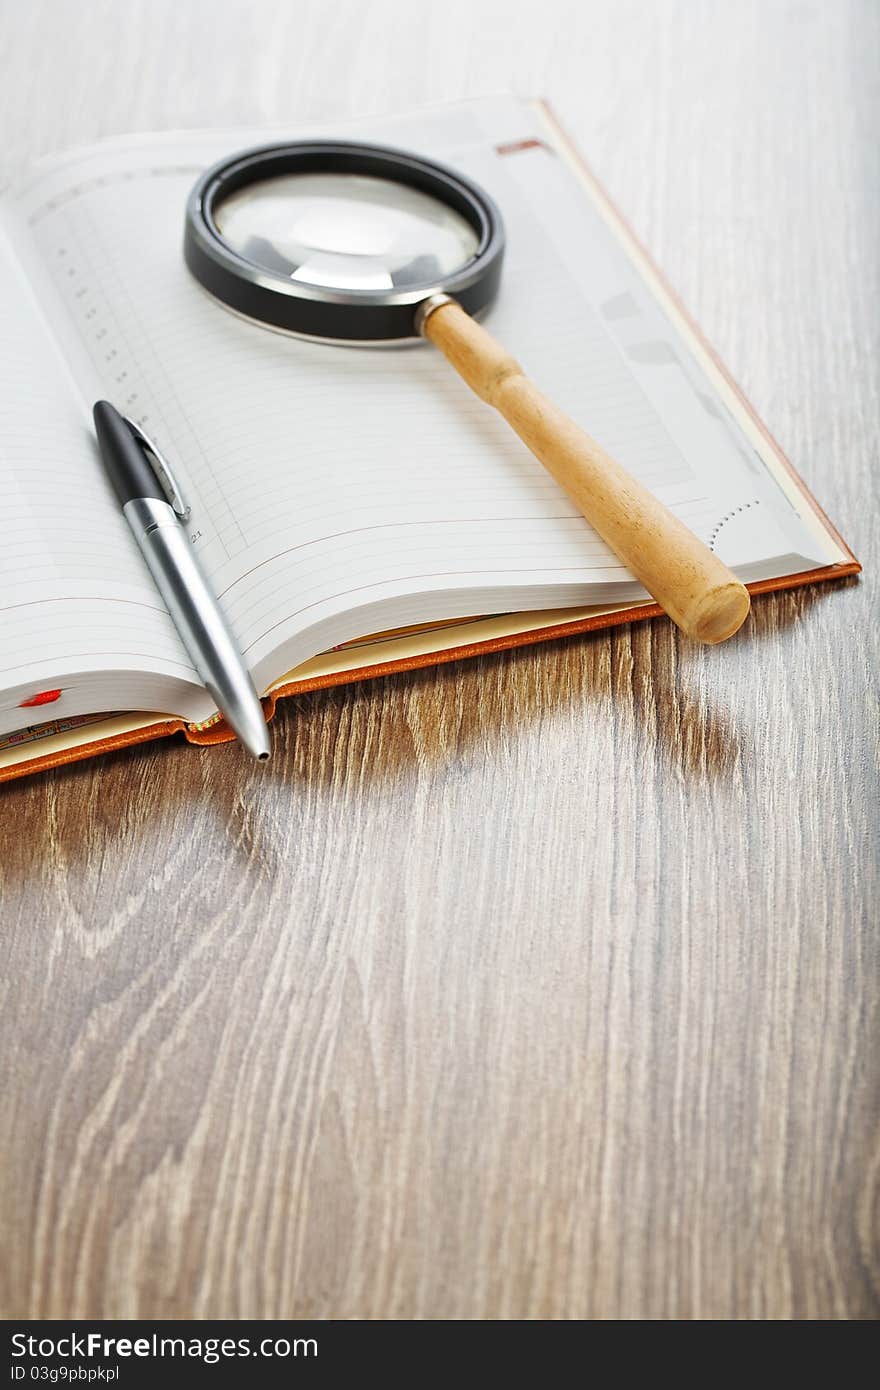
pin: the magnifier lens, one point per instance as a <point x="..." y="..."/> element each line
<point x="346" y="231"/>
<point x="341" y="241"/>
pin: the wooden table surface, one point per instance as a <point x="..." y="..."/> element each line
<point x="541" y="986"/>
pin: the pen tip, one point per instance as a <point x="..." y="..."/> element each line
<point x="256" y="739"/>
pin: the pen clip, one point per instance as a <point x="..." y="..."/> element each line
<point x="162" y="469"/>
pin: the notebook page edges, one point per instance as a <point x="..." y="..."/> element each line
<point x="338" y="489"/>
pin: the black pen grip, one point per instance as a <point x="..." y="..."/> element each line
<point x="127" y="467"/>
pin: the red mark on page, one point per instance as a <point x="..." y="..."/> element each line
<point x="45" y="697"/>
<point x="514" y="146"/>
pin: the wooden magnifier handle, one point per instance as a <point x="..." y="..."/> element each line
<point x="697" y="591"/>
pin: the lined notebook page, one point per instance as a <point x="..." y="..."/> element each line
<point x="74" y="597"/>
<point x="329" y="482"/>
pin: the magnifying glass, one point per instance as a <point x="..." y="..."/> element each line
<point x="358" y="244"/>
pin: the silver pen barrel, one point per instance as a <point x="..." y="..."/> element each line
<point x="199" y="621"/>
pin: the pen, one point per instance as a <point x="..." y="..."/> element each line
<point x="154" y="508"/>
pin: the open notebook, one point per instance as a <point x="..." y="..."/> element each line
<point x="338" y="492"/>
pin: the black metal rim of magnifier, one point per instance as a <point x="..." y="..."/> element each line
<point x="357" y="316"/>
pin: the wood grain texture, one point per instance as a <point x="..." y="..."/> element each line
<point x="543" y="986"/>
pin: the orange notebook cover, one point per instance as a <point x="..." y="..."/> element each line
<point x="38" y="747"/>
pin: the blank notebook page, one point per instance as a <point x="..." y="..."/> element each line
<point x="326" y="480"/>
